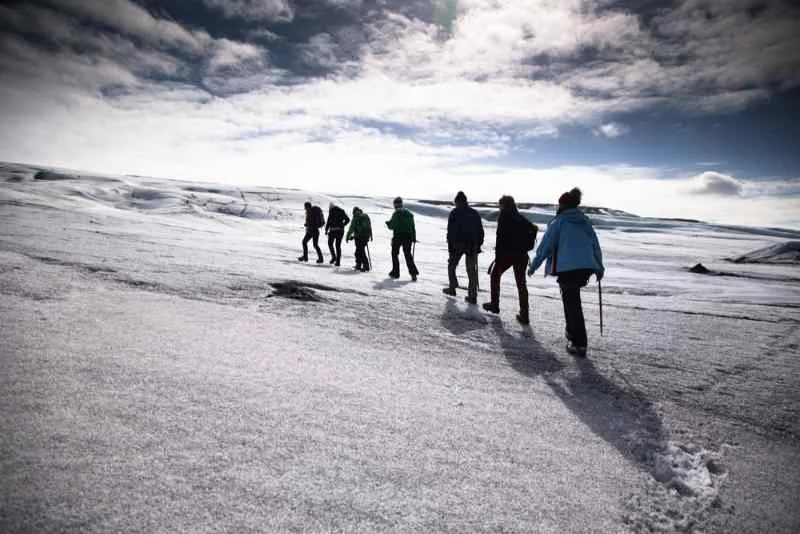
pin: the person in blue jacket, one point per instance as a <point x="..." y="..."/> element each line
<point x="573" y="254"/>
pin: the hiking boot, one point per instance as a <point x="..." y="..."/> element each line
<point x="523" y="319"/>
<point x="338" y="264"/>
<point x="579" y="352"/>
<point x="320" y="260"/>
<point x="302" y="258"/>
<point x="333" y="260"/>
<point x="471" y="300"/>
<point x="488" y="306"/>
<point x="394" y="275"/>
<point x="449" y="291"/>
<point x="413" y="277"/>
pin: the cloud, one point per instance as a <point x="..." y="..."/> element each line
<point x="132" y="20"/>
<point x="611" y="130"/>
<point x="416" y="91"/>
<point x="714" y="183"/>
<point x="228" y="53"/>
<point x="275" y="11"/>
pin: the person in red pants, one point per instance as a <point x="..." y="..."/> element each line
<point x="516" y="235"/>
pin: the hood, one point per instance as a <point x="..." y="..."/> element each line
<point x="575" y="216"/>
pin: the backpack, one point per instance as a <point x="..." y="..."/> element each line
<point x="530" y="236"/>
<point x="317" y="218"/>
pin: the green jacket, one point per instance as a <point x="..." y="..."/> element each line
<point x="402" y="224"/>
<point x="360" y="228"/>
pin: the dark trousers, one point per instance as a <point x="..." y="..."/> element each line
<point x="312" y="234"/>
<point x="501" y="265"/>
<point x="362" y="261"/>
<point x="571" y="283"/>
<point x="335" y="236"/>
<point x="405" y="244"/>
<point x="472" y="271"/>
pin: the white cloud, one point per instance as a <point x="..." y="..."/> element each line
<point x="229" y="53"/>
<point x="611" y="130"/>
<point x="255" y="10"/>
<point x="714" y="183"/>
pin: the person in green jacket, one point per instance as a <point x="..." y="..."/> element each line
<point x="404" y="234"/>
<point x="361" y="231"/>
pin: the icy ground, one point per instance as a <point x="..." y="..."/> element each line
<point x="156" y="378"/>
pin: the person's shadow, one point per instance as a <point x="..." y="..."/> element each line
<point x="524" y="353"/>
<point x="390" y="283"/>
<point x="460" y="322"/>
<point x="622" y="416"/>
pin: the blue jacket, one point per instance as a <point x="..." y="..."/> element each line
<point x="571" y="240"/>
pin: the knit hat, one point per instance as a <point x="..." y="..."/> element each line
<point x="398" y="202"/>
<point x="570" y="199"/>
<point x="461" y="198"/>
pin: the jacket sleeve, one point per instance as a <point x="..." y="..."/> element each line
<point x="413" y="227"/>
<point x="328" y="224"/>
<point x="548" y="244"/>
<point x="346" y="219"/>
<point x="392" y="220"/>
<point x="350" y="231"/>
<point x="598" y="253"/>
<point x="481" y="234"/>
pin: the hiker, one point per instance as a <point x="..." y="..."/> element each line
<point x="334" y="228"/>
<point x="516" y="235"/>
<point x="404" y="234"/>
<point x="573" y="254"/>
<point x="314" y="221"/>
<point x="361" y="231"/>
<point x="464" y="238"/>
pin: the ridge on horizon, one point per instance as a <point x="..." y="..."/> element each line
<point x="775" y="231"/>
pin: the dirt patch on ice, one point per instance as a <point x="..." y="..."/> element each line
<point x="306" y="291"/>
<point x="296" y="291"/>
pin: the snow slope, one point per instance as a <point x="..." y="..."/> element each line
<point x="156" y="380"/>
<point x="788" y="252"/>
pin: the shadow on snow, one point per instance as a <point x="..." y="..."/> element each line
<point x="623" y="416"/>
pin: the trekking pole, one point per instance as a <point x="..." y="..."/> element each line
<point x="369" y="257"/>
<point x="600" y="296"/>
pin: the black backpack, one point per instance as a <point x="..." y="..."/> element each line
<point x="530" y="235"/>
<point x="317" y="218"/>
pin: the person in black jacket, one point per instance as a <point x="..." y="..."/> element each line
<point x="314" y="221"/>
<point x="511" y="250"/>
<point x="334" y="228"/>
<point x="464" y="238"/>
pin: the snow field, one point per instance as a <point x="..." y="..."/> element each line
<point x="146" y="358"/>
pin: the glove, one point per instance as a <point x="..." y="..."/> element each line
<point x="531" y="270"/>
<point x="599" y="275"/>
